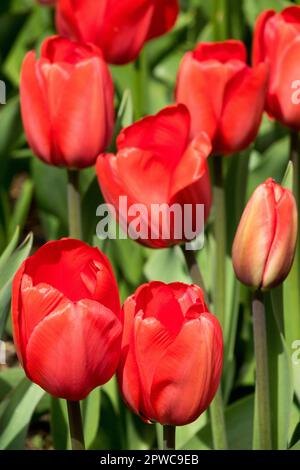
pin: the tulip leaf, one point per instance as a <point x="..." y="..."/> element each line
<point x="21" y="210"/>
<point x="287" y="180"/>
<point x="9" y="379"/>
<point x="166" y="265"/>
<point x="239" y="423"/>
<point x="280" y="371"/>
<point x="59" y="424"/>
<point x="51" y="204"/>
<point x="15" y="414"/>
<point x="90" y="408"/>
<point x="291" y="297"/>
<point x="8" y="267"/>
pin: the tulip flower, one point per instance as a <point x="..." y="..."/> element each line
<point x="224" y="95"/>
<point x="276" y="42"/>
<point x="67" y="103"/>
<point x="157" y="167"/>
<point x="265" y="242"/>
<point x="119" y="27"/>
<point x="66" y="318"/>
<point x="172" y="350"/>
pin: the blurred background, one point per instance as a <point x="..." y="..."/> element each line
<point x="33" y="200"/>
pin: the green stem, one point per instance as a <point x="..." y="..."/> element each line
<point x="218" y="423"/>
<point x="221" y="20"/>
<point x="75" y="423"/>
<point x="194" y="271"/>
<point x="140" y="85"/>
<point x="169" y="437"/>
<point x="220" y="241"/>
<point x="74" y="205"/>
<point x="294" y="158"/>
<point x="75" y="231"/>
<point x="262" y="398"/>
<point x="216" y="408"/>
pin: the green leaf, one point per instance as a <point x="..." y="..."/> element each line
<point x="9" y="379"/>
<point x="280" y="371"/>
<point x="91" y="416"/>
<point x="7" y="272"/>
<point x="16" y="413"/>
<point x="50" y="184"/>
<point x="59" y="424"/>
<point x="287" y="181"/>
<point x="21" y="210"/>
<point x="166" y="265"/>
<point x="239" y="422"/>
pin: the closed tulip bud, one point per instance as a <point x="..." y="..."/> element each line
<point x="119" y="27"/>
<point x="67" y="103"/>
<point x="156" y="166"/>
<point x="265" y="242"/>
<point x="172" y="351"/>
<point x="66" y="318"/>
<point x="224" y="95"/>
<point x="277" y="43"/>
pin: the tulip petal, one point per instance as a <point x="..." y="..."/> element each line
<point x="237" y="130"/>
<point x="62" y="354"/>
<point x="165" y="134"/>
<point x="282" y="250"/>
<point x="164" y="17"/>
<point x="62" y="264"/>
<point x="254" y="236"/>
<point x="150" y="341"/>
<point x="258" y="51"/>
<point x="34" y="108"/>
<point x="38" y="302"/>
<point x="128" y="373"/>
<point x="282" y="90"/>
<point x="179" y="394"/>
<point x="205" y="102"/>
<point x="188" y="295"/>
<point x="223" y="52"/>
<point x="88" y="99"/>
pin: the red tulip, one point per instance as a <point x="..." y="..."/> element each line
<point x="67" y="103"/>
<point x="265" y="242"/>
<point x="66" y="318"/>
<point x="119" y="27"/>
<point x="277" y="43"/>
<point x="223" y="94"/>
<point x="172" y="350"/>
<point x="156" y="165"/>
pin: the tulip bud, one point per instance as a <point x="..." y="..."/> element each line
<point x="265" y="242"/>
<point x="119" y="27"/>
<point x="67" y="103"/>
<point x="66" y="318"/>
<point x="172" y="351"/>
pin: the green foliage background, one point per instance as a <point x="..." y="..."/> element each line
<point x="33" y="198"/>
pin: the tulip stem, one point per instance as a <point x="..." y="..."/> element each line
<point x="220" y="241"/>
<point x="262" y="398"/>
<point x="75" y="423"/>
<point x="194" y="270"/>
<point x="169" y="437"/>
<point x="139" y="90"/>
<point x="74" y="205"/>
<point x="216" y="408"/>
<point x="294" y="158"/>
